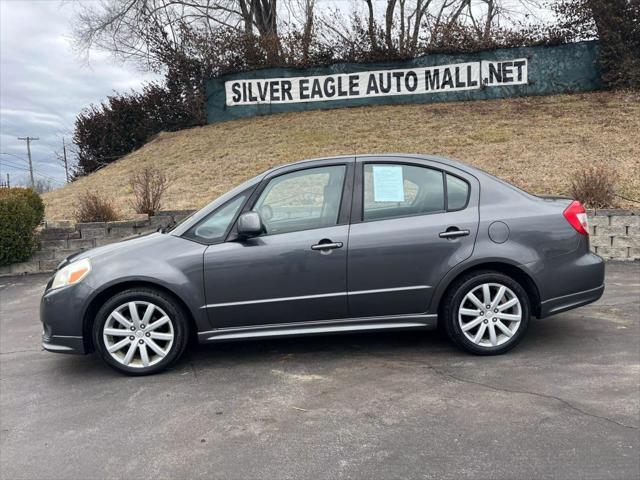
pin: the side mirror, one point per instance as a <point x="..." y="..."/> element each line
<point x="250" y="225"/>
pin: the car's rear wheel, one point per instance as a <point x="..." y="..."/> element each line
<point x="140" y="331"/>
<point x="486" y="313"/>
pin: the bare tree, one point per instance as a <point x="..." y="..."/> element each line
<point x="40" y="185"/>
<point x="138" y="29"/>
<point x="149" y="31"/>
<point x="406" y="22"/>
<point x="307" y="31"/>
<point x="148" y="186"/>
<point x="371" y="22"/>
<point x="486" y="15"/>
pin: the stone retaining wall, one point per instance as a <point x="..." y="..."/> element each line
<point x="60" y="239"/>
<point x="615" y="235"/>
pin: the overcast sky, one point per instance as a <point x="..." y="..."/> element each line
<point x="44" y="84"/>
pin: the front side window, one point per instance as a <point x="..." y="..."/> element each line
<point x="302" y="200"/>
<point x="214" y="228"/>
<point x="393" y="190"/>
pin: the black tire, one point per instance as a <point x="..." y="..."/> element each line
<point x="172" y="309"/>
<point x="455" y="296"/>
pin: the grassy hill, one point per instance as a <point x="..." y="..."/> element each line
<point x="536" y="143"/>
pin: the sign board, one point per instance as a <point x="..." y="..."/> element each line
<point x="377" y="83"/>
<point x="437" y="77"/>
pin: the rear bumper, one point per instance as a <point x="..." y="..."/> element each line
<point x="568" y="302"/>
<point x="569" y="281"/>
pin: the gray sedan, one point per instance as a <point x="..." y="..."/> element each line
<point x="345" y="244"/>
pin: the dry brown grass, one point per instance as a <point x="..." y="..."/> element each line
<point x="535" y="143"/>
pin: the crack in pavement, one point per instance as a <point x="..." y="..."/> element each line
<point x="522" y="392"/>
<point x="442" y="373"/>
<point x="536" y="394"/>
<point x="23" y="351"/>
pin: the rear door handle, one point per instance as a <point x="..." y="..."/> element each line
<point x="454" y="233"/>
<point x="327" y="246"/>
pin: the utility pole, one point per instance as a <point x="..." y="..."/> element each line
<point x="64" y="156"/>
<point x="29" y="139"/>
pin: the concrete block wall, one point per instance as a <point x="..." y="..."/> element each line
<point x="614" y="235"/>
<point x="60" y="239"/>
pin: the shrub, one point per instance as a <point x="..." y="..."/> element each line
<point x="595" y="186"/>
<point x="21" y="211"/>
<point x="124" y="122"/>
<point x="95" y="208"/>
<point x="148" y="186"/>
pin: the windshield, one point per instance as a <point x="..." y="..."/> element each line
<point x="183" y="226"/>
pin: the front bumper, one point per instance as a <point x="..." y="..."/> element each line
<point x="62" y="344"/>
<point x="61" y="314"/>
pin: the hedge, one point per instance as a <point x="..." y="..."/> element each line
<point x="21" y="211"/>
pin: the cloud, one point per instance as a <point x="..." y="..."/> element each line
<point x="44" y="84"/>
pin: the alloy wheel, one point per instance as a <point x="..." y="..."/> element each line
<point x="490" y="315"/>
<point x="138" y="334"/>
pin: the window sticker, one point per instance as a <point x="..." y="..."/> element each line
<point x="388" y="184"/>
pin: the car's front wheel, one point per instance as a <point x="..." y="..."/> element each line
<point x="486" y="313"/>
<point x="140" y="331"/>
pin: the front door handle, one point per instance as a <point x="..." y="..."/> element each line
<point x="328" y="245"/>
<point x="454" y="232"/>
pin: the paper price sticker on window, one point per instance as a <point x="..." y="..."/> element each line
<point x="388" y="184"/>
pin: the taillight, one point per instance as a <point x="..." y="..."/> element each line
<point x="576" y="215"/>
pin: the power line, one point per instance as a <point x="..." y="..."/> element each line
<point x="26" y="161"/>
<point x="36" y="172"/>
<point x="13" y="155"/>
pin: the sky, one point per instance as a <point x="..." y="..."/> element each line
<point x="45" y="83"/>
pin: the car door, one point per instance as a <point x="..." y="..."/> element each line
<point x="296" y="270"/>
<point x="412" y="221"/>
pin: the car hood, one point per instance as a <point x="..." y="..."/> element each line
<point x="151" y="240"/>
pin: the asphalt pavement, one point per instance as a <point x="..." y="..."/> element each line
<point x="564" y="404"/>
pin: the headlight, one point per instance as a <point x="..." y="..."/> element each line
<point x="72" y="273"/>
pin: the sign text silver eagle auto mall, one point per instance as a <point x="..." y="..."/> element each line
<point x="436" y="77"/>
<point x="341" y="86"/>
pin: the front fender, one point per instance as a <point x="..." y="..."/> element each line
<point x="170" y="263"/>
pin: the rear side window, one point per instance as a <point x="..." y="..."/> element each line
<point x="457" y="193"/>
<point x="393" y="190"/>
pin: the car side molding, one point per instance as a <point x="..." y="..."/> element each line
<point x="392" y="322"/>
